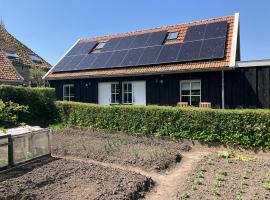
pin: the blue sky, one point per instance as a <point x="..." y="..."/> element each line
<point x="50" y="27"/>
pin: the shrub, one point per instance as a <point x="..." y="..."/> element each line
<point x="40" y="101"/>
<point x="248" y="128"/>
<point x="10" y="112"/>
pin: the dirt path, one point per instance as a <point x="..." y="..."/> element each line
<point x="167" y="184"/>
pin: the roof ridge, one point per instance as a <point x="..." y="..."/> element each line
<point x="152" y="29"/>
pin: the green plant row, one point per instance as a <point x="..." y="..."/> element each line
<point x="40" y="102"/>
<point x="248" y="128"/>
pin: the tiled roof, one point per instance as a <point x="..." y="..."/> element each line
<point x="7" y="72"/>
<point x="168" y="68"/>
<point x="10" y="43"/>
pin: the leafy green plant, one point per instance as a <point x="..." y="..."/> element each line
<point x="210" y="161"/>
<point x="10" y="113"/>
<point x="185" y="195"/>
<point x="40" y="102"/>
<point x="225" y="154"/>
<point x="239" y="197"/>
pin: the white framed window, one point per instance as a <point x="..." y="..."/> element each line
<point x="127" y="89"/>
<point x="115" y="93"/>
<point x="68" y="92"/>
<point x="35" y="58"/>
<point x="172" y="35"/>
<point x="12" y="54"/>
<point x="190" y="91"/>
<point x="100" y="45"/>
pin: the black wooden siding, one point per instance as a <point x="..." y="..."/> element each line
<point x="244" y="87"/>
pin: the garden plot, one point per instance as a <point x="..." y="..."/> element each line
<point x="146" y="153"/>
<point x="52" y="178"/>
<point x="229" y="175"/>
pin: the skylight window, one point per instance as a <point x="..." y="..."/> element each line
<point x="12" y="54"/>
<point x="100" y="45"/>
<point x="34" y="58"/>
<point x="172" y="35"/>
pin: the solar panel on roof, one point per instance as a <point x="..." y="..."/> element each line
<point x="150" y="55"/>
<point x="190" y="51"/>
<point x="217" y="29"/>
<point x="125" y="42"/>
<point x="169" y="53"/>
<point x="82" y="48"/>
<point x="102" y="59"/>
<point x="61" y="64"/>
<point x="87" y="62"/>
<point x="116" y="58"/>
<point x="87" y="47"/>
<point x="132" y="57"/>
<point x="213" y="48"/>
<point x="111" y="44"/>
<point x="195" y="33"/>
<point x="156" y="38"/>
<point x="140" y="40"/>
<point x="73" y="63"/>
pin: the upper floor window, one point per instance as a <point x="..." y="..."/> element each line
<point x="68" y="92"/>
<point x="190" y="91"/>
<point x="12" y="54"/>
<point x="35" y="58"/>
<point x="172" y="35"/>
<point x="100" y="45"/>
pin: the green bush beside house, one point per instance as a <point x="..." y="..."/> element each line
<point x="245" y="127"/>
<point x="40" y="102"/>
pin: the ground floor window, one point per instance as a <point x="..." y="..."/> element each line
<point x="127" y="93"/>
<point x="190" y="91"/>
<point x="68" y="92"/>
<point x="115" y="93"/>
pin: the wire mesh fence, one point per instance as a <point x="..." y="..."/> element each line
<point x="19" y="148"/>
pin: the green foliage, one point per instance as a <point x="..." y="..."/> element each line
<point x="248" y="128"/>
<point x="185" y="195"/>
<point x="36" y="74"/>
<point x="40" y="101"/>
<point x="10" y="113"/>
<point x="225" y="154"/>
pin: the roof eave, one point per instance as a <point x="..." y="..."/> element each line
<point x="141" y="74"/>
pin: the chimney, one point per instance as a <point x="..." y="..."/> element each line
<point x="2" y="24"/>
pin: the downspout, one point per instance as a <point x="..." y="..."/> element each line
<point x="222" y="90"/>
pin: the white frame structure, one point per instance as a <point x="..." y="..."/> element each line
<point x="190" y="89"/>
<point x="68" y="97"/>
<point x="115" y="93"/>
<point x="128" y="92"/>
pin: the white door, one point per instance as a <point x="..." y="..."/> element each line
<point x="104" y="93"/>
<point x="139" y="92"/>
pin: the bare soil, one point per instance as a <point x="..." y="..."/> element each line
<point x="146" y="153"/>
<point x="52" y="178"/>
<point x="242" y="176"/>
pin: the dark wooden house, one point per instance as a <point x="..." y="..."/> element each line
<point x="185" y="64"/>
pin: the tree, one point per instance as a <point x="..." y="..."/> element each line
<point x="36" y="74"/>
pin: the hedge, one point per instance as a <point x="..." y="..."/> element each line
<point x="247" y="128"/>
<point x="40" y="102"/>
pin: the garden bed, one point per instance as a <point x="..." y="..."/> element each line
<point x="228" y="175"/>
<point x="51" y="178"/>
<point x="146" y="153"/>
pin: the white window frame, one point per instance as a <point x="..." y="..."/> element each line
<point x="190" y="95"/>
<point x="171" y="33"/>
<point x="100" y="45"/>
<point x="115" y="93"/>
<point x="68" y="96"/>
<point x="123" y="92"/>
